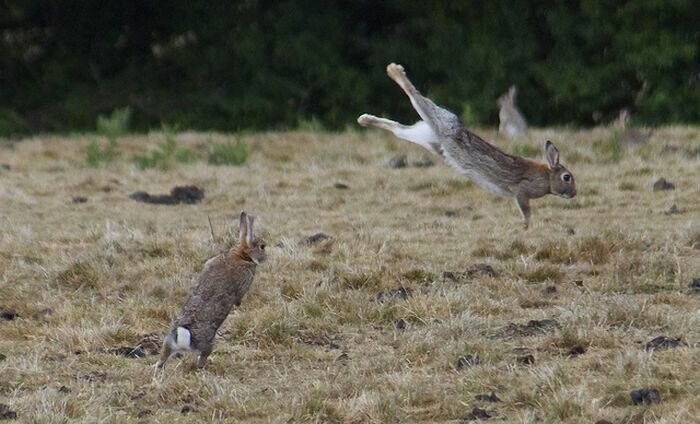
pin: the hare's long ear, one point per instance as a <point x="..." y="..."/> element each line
<point x="251" y="232"/>
<point x="242" y="227"/>
<point x="552" y="154"/>
<point x="512" y="92"/>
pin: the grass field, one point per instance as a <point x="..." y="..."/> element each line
<point x="311" y="342"/>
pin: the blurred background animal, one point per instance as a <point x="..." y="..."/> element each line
<point x="512" y="123"/>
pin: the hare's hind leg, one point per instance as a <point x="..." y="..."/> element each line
<point x="419" y="133"/>
<point x="203" y="355"/>
<point x="443" y="122"/>
<point x="165" y="353"/>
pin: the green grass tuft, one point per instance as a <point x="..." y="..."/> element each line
<point x="229" y="153"/>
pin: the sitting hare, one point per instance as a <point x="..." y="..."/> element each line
<point x="512" y="123"/>
<point x="442" y="133"/>
<point x="222" y="284"/>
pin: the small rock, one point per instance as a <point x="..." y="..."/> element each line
<point x="64" y="389"/>
<point x="92" y="377"/>
<point x="341" y="186"/>
<point x="161" y="199"/>
<point x="695" y="284"/>
<point x="179" y="194"/>
<point x="187" y="409"/>
<point x="673" y="210"/>
<point x="144" y="413"/>
<point x="5" y="167"/>
<point x="479" y="269"/>
<point x="578" y="283"/>
<point x="663" y="342"/>
<point x="398" y="161"/>
<point x="570" y="231"/>
<point x="42" y="313"/>
<point x="526" y="360"/>
<point x="533" y="327"/>
<point x="450" y="213"/>
<point x="6" y="413"/>
<point x="424" y="162"/>
<point x="397" y="293"/>
<point x="2" y="357"/>
<point x="449" y="275"/>
<point x="662" y="184"/>
<point x="8" y="315"/>
<point x="576" y="350"/>
<point x="478" y="414"/>
<point x="317" y="238"/>
<point x="471" y="272"/>
<point x="467" y="361"/>
<point x="128" y="352"/>
<point x="342" y="357"/>
<point x="78" y="199"/>
<point x="550" y="289"/>
<point x="645" y="396"/>
<point x="543" y="323"/>
<point x="400" y="324"/>
<point x="187" y="194"/>
<point x="487" y="398"/>
<point x="150" y="343"/>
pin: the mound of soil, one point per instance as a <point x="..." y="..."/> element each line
<point x="179" y="194"/>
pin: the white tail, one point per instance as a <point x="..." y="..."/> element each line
<point x="182" y="339"/>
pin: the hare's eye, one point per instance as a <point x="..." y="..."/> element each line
<point x="262" y="246"/>
<point x="566" y="177"/>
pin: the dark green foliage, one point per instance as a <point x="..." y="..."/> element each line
<point x="229" y="153"/>
<point x="256" y="64"/>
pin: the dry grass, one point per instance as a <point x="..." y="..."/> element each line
<point x="311" y="343"/>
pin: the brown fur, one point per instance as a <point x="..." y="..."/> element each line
<point x="442" y="132"/>
<point x="222" y="284"/>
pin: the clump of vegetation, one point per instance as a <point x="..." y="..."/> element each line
<point x="228" y="153"/>
<point x="556" y="252"/>
<point x="609" y="150"/>
<point x="596" y="250"/>
<point x="627" y="186"/>
<point x="116" y="124"/>
<point x="79" y="274"/>
<point x="543" y="273"/>
<point x="113" y="126"/>
<point x="469" y="115"/>
<point x="526" y="150"/>
<point x="166" y="154"/>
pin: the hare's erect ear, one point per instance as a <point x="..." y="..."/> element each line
<point x="251" y="232"/>
<point x="242" y="226"/>
<point x="512" y="92"/>
<point x="552" y="154"/>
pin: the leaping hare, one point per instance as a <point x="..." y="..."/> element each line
<point x="222" y="284"/>
<point x="442" y="133"/>
<point x="511" y="122"/>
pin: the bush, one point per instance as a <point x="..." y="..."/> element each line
<point x="114" y="125"/>
<point x="166" y="154"/>
<point x="228" y="153"/>
<point x="95" y="154"/>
